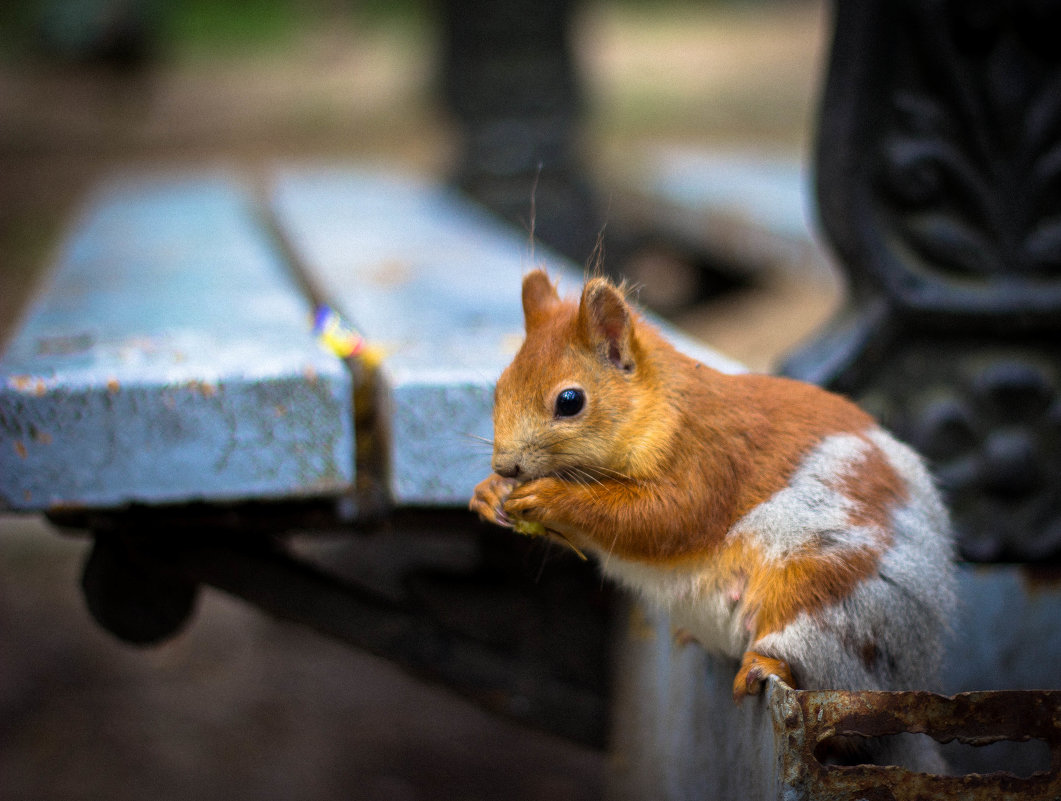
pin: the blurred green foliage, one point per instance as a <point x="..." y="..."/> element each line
<point x="135" y="30"/>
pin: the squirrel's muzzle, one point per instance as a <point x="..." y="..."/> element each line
<point x="506" y="465"/>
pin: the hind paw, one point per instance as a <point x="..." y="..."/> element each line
<point x="755" y="669"/>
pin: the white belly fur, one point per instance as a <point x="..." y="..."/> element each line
<point x="699" y="601"/>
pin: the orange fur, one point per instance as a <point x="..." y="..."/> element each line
<point x="777" y="592"/>
<point x="874" y="487"/>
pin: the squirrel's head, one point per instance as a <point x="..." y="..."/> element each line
<point x="570" y="402"/>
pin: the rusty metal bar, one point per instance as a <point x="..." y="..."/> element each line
<point x="678" y="735"/>
<point x="803" y="720"/>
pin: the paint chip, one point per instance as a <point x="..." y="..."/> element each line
<point x="28" y="384"/>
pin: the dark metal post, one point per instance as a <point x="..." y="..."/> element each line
<point x="509" y="79"/>
<point x="939" y="185"/>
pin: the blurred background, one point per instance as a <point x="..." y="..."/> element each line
<point x="239" y="706"/>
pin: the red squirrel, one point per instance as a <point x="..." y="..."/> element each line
<point x="776" y="522"/>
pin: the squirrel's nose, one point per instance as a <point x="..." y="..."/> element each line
<point x="507" y="467"/>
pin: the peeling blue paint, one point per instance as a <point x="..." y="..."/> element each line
<point x="170" y="358"/>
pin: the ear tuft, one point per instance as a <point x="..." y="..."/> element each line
<point x="606" y="322"/>
<point x="539" y="297"/>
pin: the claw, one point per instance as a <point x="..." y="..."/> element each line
<point x="490" y="495"/>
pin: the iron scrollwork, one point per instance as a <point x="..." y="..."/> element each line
<point x="939" y="183"/>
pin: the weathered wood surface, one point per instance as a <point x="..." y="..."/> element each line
<point x="169" y="359"/>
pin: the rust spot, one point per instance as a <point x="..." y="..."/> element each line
<point x="682" y="637"/>
<point x="20" y="449"/>
<point x="280" y="410"/>
<point x="310" y="374"/>
<point x="204" y="388"/>
<point x="42" y="437"/>
<point x="28" y="384"/>
<point x="113" y="385"/>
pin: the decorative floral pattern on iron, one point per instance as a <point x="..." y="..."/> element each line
<point x="969" y="160"/>
<point x="989" y="424"/>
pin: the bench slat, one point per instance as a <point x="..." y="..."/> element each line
<point x="170" y="359"/>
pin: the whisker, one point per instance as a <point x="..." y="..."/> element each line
<point x="611" y="550"/>
<point x="568" y="543"/>
<point x="586" y="476"/>
<point x="598" y="472"/>
<point x="595" y="486"/>
<point x="575" y="477"/>
<point x="478" y="438"/>
<point x="557" y="438"/>
<point x="545" y="558"/>
<point x="609" y="472"/>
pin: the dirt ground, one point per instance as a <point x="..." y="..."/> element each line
<point x="240" y="706"/>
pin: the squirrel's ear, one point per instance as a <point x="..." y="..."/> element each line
<point x="539" y="297"/>
<point x="606" y="322"/>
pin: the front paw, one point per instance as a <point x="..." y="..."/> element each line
<point x="535" y="501"/>
<point x="490" y="495"/>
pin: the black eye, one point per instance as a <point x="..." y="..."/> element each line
<point x="570" y="402"/>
